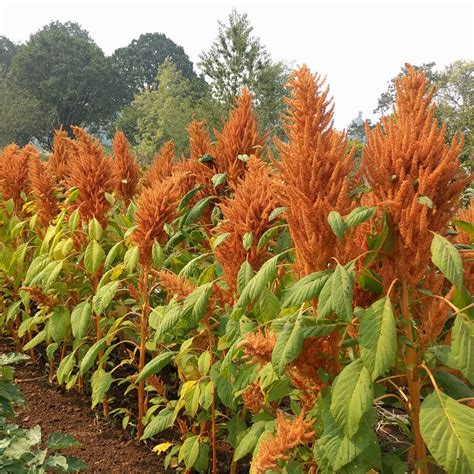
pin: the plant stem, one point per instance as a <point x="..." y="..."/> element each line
<point x="143" y="337"/>
<point x="414" y="384"/>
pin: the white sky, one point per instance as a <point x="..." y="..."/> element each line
<point x="358" y="45"/>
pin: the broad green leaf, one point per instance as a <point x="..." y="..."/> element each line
<point x="160" y="422"/>
<point x="81" y="319"/>
<point x="189" y="451"/>
<point x="342" y="283"/>
<point x="91" y="355"/>
<point x="95" y="229"/>
<point x="447" y="429"/>
<point x="276" y="212"/>
<point x="447" y="259"/>
<point x="244" y="276"/>
<point x="59" y="324"/>
<point x="249" y="441"/>
<point x="218" y="179"/>
<point x="378" y="337"/>
<point x="61" y="441"/>
<point x="265" y="275"/>
<point x="104" y="296"/>
<point x="462" y="346"/>
<point x="198" y="209"/>
<point x="157" y="255"/>
<point x="465" y="226"/>
<point x="268" y="235"/>
<point x="155" y="365"/>
<point x="38" y="339"/>
<point x="337" y="224"/>
<point x="351" y="396"/>
<point x="247" y="241"/>
<point x="131" y="259"/>
<point x="359" y="215"/>
<point x="306" y="289"/>
<point x="288" y="346"/>
<point x="112" y="255"/>
<point x="65" y="368"/>
<point x="93" y="256"/>
<point x="100" y="383"/>
<point x="452" y="386"/>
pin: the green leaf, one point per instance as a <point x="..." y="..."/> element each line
<point x="155" y="365"/>
<point x="157" y="255"/>
<point x="337" y="224"/>
<point x="276" y="212"/>
<point x="93" y="256"/>
<point x="351" y="396"/>
<point x="61" y="441"/>
<point x="265" y="275"/>
<point x="80" y="319"/>
<point x="249" y="441"/>
<point x="245" y="274"/>
<point x="219" y="240"/>
<point x="59" y="324"/>
<point x="204" y="363"/>
<point x="104" y="296"/>
<point x="65" y="368"/>
<point x="378" y="337"/>
<point x="425" y="201"/>
<point x="160" y="422"/>
<point x="198" y="209"/>
<point x="306" y="289"/>
<point x="342" y="283"/>
<point x="462" y="346"/>
<point x="189" y="451"/>
<point x="112" y="255"/>
<point x="359" y="215"/>
<point x="288" y="345"/>
<point x="218" y="179"/>
<point x="38" y="339"/>
<point x="95" y="229"/>
<point x="100" y="383"/>
<point x="247" y="241"/>
<point x="465" y="226"/>
<point x="131" y="258"/>
<point x="447" y="429"/>
<point x="453" y="386"/>
<point x="90" y="356"/>
<point x="447" y="259"/>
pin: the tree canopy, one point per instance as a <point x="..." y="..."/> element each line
<point x="139" y="61"/>
<point x="237" y="59"/>
<point x="68" y="74"/>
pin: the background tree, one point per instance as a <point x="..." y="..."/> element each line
<point x="237" y="59"/>
<point x="163" y="112"/>
<point x="139" y="61"/>
<point x="67" y="73"/>
<point x="8" y="50"/>
<point x="454" y="98"/>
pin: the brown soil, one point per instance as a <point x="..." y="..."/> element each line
<point x="104" y="446"/>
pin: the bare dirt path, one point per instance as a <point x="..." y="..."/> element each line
<point x="104" y="446"/>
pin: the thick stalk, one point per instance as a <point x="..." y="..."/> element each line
<point x="143" y="337"/>
<point x="414" y="384"/>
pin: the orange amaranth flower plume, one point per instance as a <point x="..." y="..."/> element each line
<point x="163" y="165"/>
<point x="414" y="173"/>
<point x="62" y="155"/>
<point x="315" y="167"/>
<point x="199" y="139"/>
<point x="91" y="173"/>
<point x="289" y="434"/>
<point x="14" y="175"/>
<point x="42" y="187"/>
<point x="238" y="137"/>
<point x="156" y="206"/>
<point x="175" y="285"/>
<point x="247" y="212"/>
<point x="126" y="169"/>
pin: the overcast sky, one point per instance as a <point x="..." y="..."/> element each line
<point x="358" y="45"/>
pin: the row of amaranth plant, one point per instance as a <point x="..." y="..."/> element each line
<point x="246" y="308"/>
